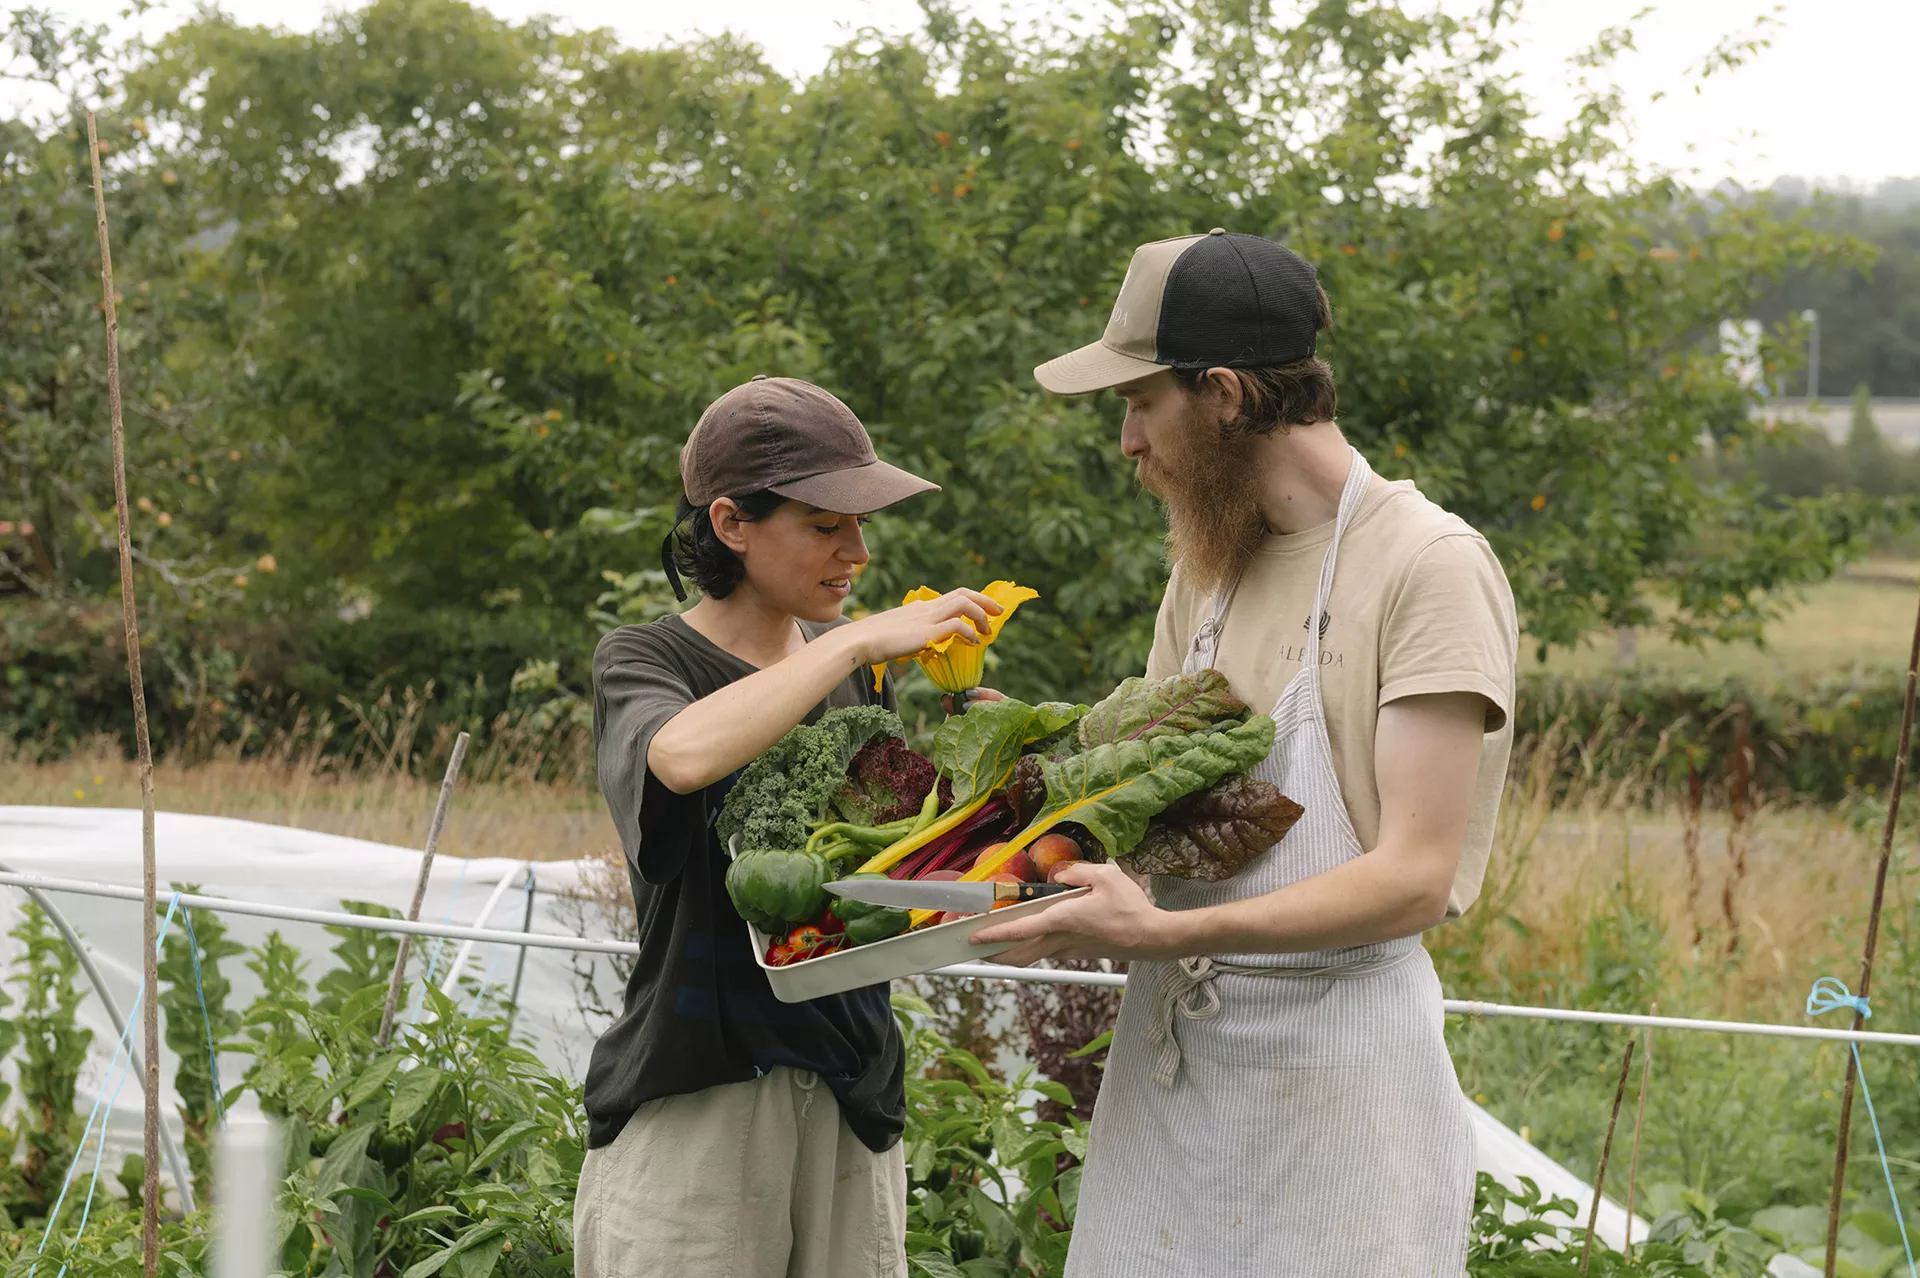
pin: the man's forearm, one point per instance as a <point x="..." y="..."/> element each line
<point x="1375" y="897"/>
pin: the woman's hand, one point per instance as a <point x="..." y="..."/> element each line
<point x="903" y="631"/>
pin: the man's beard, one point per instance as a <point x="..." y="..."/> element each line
<point x="1209" y="482"/>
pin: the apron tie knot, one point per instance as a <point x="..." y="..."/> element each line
<point x="1187" y="991"/>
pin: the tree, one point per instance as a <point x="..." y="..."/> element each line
<point x="1870" y="461"/>
<point x="54" y="445"/>
<point x="487" y="274"/>
<point x="1869" y="307"/>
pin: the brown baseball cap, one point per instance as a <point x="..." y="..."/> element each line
<point x="1219" y="300"/>
<point x="792" y="438"/>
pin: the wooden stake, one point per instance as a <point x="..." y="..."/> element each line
<point x="420" y="887"/>
<point x="1606" y="1151"/>
<point x="129" y="614"/>
<point x="1690" y="842"/>
<point x="1738" y="793"/>
<point x="1639" y="1121"/>
<point x="1866" y="955"/>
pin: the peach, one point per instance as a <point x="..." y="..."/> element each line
<point x="1051" y="851"/>
<point x="987" y="851"/>
<point x="1021" y="866"/>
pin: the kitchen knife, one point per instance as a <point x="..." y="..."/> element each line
<point x="944" y="894"/>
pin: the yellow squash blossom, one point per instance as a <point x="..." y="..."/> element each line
<point x="953" y="664"/>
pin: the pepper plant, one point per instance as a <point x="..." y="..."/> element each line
<point x="991" y="1190"/>
<point x="53" y="1047"/>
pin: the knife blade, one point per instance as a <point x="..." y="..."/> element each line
<point x="960" y="898"/>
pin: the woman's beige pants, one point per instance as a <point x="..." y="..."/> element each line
<point x="746" y="1180"/>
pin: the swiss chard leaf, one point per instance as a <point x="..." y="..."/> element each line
<point x="1140" y="709"/>
<point x="1114" y="790"/>
<point x="1216" y="833"/>
<point x="976" y="751"/>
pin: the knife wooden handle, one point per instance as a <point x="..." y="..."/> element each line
<point x="1004" y="893"/>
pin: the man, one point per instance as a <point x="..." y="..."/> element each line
<point x="1279" y="1099"/>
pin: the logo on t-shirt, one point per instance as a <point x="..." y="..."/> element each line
<point x="1324" y="621"/>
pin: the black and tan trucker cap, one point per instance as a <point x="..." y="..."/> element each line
<point x="1219" y="300"/>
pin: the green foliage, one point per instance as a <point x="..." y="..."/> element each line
<point x="365" y="959"/>
<point x="283" y="1055"/>
<point x="990" y="1190"/>
<point x="52" y="1049"/>
<point x="1514" y="1236"/>
<point x="1739" y="1135"/>
<point x="1869" y="1240"/>
<point x="455" y="1151"/>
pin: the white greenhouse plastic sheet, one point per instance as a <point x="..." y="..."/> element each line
<point x="254" y="861"/>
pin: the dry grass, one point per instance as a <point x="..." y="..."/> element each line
<point x="1571" y="846"/>
<point x="1861" y="619"/>
<point x="1556" y="863"/>
<point x="1797" y="908"/>
<point x="515" y="817"/>
<point x="1752" y="935"/>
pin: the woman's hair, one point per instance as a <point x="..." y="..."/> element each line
<point x="694" y="550"/>
<point x="1278" y="397"/>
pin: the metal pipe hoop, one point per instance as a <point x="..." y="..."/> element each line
<point x="965" y="971"/>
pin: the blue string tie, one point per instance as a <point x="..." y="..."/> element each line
<point x="1830" y="994"/>
<point x="213" y="1056"/>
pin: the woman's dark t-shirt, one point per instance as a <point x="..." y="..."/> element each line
<point x="698" y="1010"/>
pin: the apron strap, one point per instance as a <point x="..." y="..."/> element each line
<point x="1187" y="989"/>
<point x="1206" y="640"/>
<point x="1359" y="475"/>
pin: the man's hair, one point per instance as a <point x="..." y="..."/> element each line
<point x="694" y="549"/>
<point x="1280" y="396"/>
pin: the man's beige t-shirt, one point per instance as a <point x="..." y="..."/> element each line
<point x="1419" y="604"/>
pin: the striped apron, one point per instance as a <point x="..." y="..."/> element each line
<point x="1292" y="1115"/>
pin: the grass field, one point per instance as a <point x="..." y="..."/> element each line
<point x="1805" y="869"/>
<point x="1862" y="619"/>
<point x="522" y="820"/>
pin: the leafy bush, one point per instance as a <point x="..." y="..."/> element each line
<point x="1821" y="742"/>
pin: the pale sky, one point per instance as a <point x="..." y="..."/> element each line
<point x="1825" y="102"/>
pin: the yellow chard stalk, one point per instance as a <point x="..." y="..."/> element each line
<point x="953" y="664"/>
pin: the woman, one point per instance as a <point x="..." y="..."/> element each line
<point x="731" y="1134"/>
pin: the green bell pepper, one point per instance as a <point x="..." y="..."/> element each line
<point x="868" y="923"/>
<point x="774" y="888"/>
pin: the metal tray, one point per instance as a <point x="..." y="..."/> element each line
<point x="921" y="950"/>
